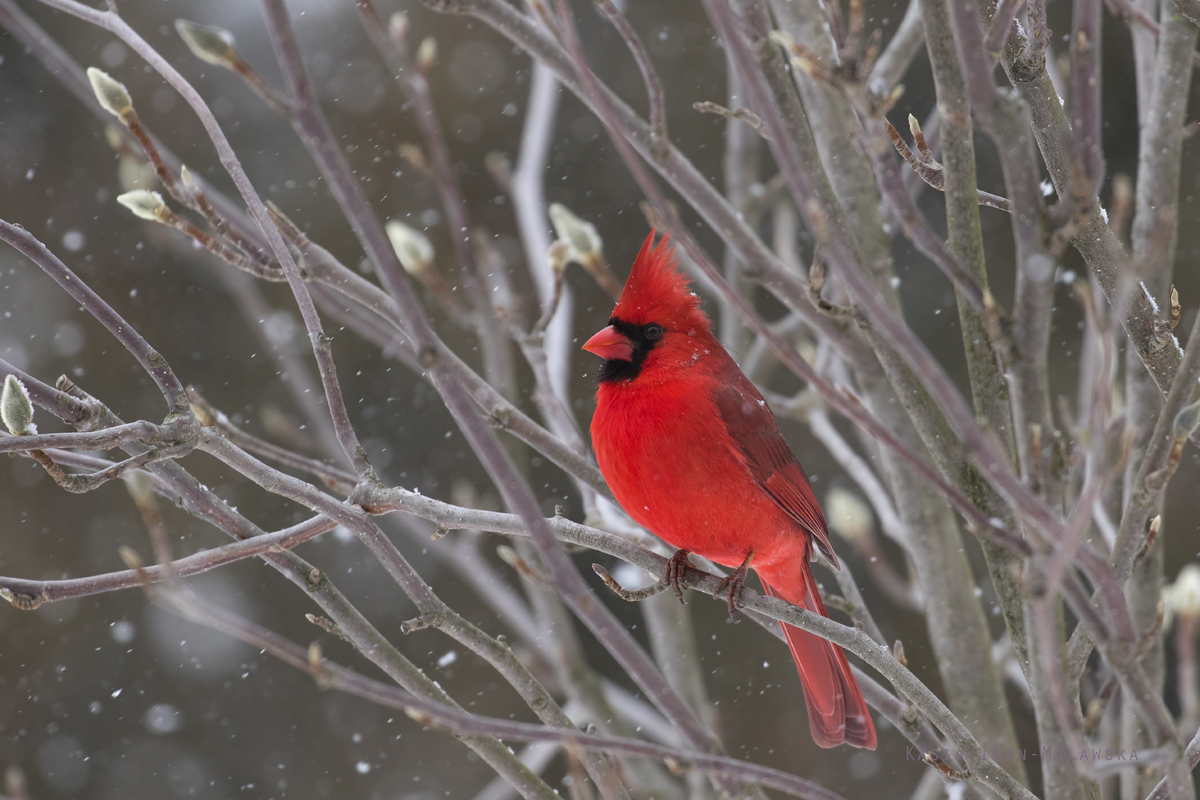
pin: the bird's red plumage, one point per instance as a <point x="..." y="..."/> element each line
<point x="691" y="452"/>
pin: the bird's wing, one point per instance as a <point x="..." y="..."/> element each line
<point x="755" y="432"/>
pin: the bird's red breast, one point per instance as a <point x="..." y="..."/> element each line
<point x="692" y="452"/>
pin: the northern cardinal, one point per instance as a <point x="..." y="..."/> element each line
<point x="691" y="452"/>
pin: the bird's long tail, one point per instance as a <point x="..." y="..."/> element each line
<point x="837" y="713"/>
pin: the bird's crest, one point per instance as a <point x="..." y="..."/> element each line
<point x="656" y="291"/>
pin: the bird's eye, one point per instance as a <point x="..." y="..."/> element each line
<point x="654" y="330"/>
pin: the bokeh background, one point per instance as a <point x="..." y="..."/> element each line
<point x="110" y="697"/>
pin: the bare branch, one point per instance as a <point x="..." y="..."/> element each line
<point x="654" y="90"/>
<point x="150" y="359"/>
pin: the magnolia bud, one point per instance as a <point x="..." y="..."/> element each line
<point x="114" y="137"/>
<point x="849" y="516"/>
<point x="427" y="53"/>
<point x="500" y="168"/>
<point x="412" y="248"/>
<point x="558" y="255"/>
<point x="509" y="556"/>
<point x="16" y="410"/>
<point x="1186" y="421"/>
<point x="201" y="413"/>
<point x="134" y="173"/>
<point x="413" y="155"/>
<point x="1183" y="596"/>
<point x="398" y="25"/>
<point x="189" y="183"/>
<point x="188" y="180"/>
<point x="111" y="93"/>
<point x="140" y="487"/>
<point x="213" y="45"/>
<point x="131" y="557"/>
<point x="147" y="205"/>
<point x="14" y="781"/>
<point x="417" y="715"/>
<point x="581" y="236"/>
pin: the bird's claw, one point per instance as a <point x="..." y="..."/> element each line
<point x="733" y="583"/>
<point x="677" y="568"/>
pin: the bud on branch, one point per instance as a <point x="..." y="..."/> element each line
<point x="16" y="410"/>
<point x="111" y="93"/>
<point x="207" y="43"/>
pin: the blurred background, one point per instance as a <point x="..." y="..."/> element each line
<point x="110" y="697"/>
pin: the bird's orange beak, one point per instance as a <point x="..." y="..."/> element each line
<point x="610" y="344"/>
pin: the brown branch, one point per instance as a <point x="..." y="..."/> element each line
<point x="153" y="362"/>
<point x="437" y="715"/>
<point x="320" y="342"/>
<point x="931" y="172"/>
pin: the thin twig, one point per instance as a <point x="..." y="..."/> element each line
<point x="654" y="89"/>
<point x="931" y="173"/>
<point x="320" y="342"/>
<point x="1085" y="86"/>
<point x="629" y="596"/>
<point x="150" y="359"/>
<point x="895" y="59"/>
<point x="437" y="715"/>
<point x="393" y="46"/>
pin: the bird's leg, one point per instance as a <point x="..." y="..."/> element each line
<point x="677" y="567"/>
<point x="734" y="582"/>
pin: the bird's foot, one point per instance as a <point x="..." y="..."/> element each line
<point x="677" y="568"/>
<point x="733" y="582"/>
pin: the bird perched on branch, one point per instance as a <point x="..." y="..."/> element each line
<point x="692" y="452"/>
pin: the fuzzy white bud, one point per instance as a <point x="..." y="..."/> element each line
<point x="16" y="410"/>
<point x="417" y="715"/>
<point x="114" y="137"/>
<point x="209" y="44"/>
<point x="427" y="53"/>
<point x="147" y="205"/>
<point x="134" y="173"/>
<point x="849" y="515"/>
<point x="187" y="179"/>
<point x="558" y="255"/>
<point x="111" y="93"/>
<point x="1182" y="598"/>
<point x="398" y="25"/>
<point x="1186" y="421"/>
<point x="581" y="236"/>
<point x="499" y="167"/>
<point x="189" y="182"/>
<point x="413" y="249"/>
<point x="131" y="557"/>
<point x="140" y="486"/>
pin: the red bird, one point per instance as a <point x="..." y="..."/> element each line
<point x="691" y="451"/>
